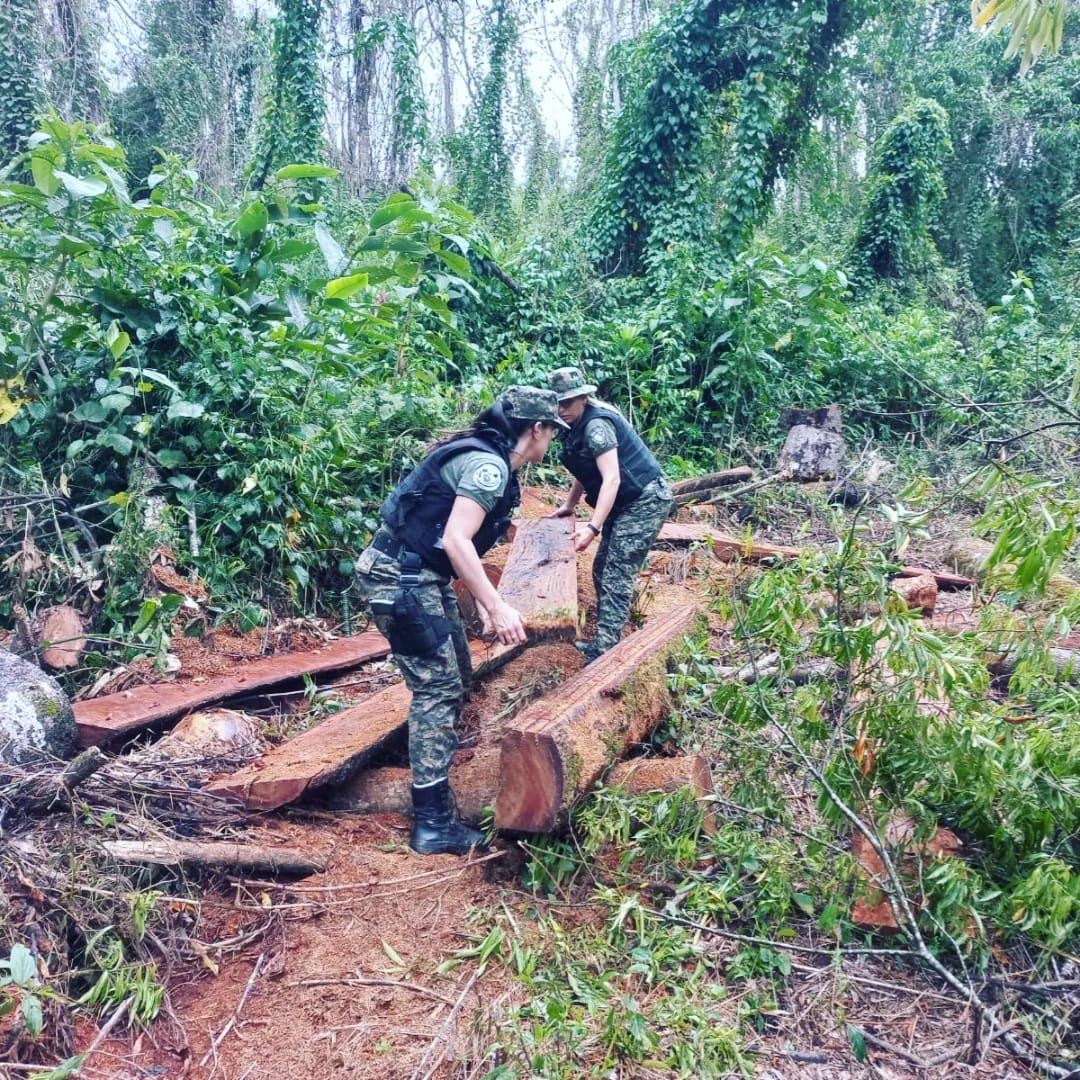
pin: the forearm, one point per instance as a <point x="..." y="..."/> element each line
<point x="605" y="502"/>
<point x="573" y="496"/>
<point x="470" y="570"/>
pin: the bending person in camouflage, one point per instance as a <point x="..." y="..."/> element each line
<point x="436" y="524"/>
<point x="622" y="482"/>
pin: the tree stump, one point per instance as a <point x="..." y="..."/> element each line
<point x="814" y="449"/>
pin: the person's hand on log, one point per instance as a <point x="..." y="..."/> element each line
<point x="506" y="621"/>
<point x="584" y="535"/>
<point x="562" y="511"/>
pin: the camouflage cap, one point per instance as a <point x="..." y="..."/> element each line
<point x="532" y="403"/>
<point x="569" y="382"/>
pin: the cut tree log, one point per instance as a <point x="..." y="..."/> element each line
<point x="102" y="719"/>
<point x="216" y="855"/>
<point x="474" y="780"/>
<point x="919" y="593"/>
<point x="331" y="751"/>
<point x="695" y="486"/>
<point x="814" y="449"/>
<point x="64" y="637"/>
<point x="554" y="750"/>
<point x="540" y="578"/>
<point x="643" y="776"/>
<point x="728" y="548"/>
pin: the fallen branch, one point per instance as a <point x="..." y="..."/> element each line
<point x="357" y="980"/>
<point x="215" y="854"/>
<point x="775" y="478"/>
<point x="444" y="1034"/>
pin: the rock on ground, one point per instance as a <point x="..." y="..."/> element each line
<point x="36" y="717"/>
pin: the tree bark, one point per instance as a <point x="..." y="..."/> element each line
<point x="643" y="776"/>
<point x="684" y="488"/>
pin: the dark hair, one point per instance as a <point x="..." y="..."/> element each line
<point x="492" y="421"/>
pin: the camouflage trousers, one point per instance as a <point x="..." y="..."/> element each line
<point x="627" y="537"/>
<point x="438" y="679"/>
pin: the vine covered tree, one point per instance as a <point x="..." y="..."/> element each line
<point x="292" y="121"/>
<point x="19" y="91"/>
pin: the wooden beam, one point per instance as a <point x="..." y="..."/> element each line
<point x="333" y="749"/>
<point x="102" y="719"/>
<point x="728" y="548"/>
<point x="554" y="750"/>
<point x="540" y="578"/>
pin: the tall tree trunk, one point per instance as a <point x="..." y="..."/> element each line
<point x="363" y="80"/>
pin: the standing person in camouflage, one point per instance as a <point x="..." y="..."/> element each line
<point x="622" y="482"/>
<point x="435" y="525"/>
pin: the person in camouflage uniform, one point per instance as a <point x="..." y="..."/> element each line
<point x="622" y="482"/>
<point x="436" y="524"/>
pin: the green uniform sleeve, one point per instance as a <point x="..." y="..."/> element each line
<point x="600" y="437"/>
<point x="478" y="476"/>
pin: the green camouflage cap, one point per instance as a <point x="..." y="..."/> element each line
<point x="532" y="403"/>
<point x="569" y="382"/>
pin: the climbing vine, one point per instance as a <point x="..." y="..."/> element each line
<point x="905" y="188"/>
<point x="480" y="154"/>
<point x="292" y="120"/>
<point x="18" y="74"/>
<point x="773" y="60"/>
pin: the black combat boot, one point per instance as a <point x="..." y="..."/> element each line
<point x="436" y="828"/>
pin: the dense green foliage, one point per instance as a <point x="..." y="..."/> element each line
<point x="19" y="91"/>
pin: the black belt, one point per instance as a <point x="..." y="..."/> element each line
<point x="392" y="547"/>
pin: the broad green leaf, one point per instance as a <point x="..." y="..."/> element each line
<point x="805" y="903"/>
<point x="117" y="340"/>
<point x="190" y="409"/>
<point x="458" y="263"/>
<point x="22" y="966"/>
<point x="253" y="219"/>
<point x="149" y="609"/>
<point x="119" y="185"/>
<point x="81" y="187"/>
<point x="438" y="344"/>
<point x="305" y="172"/>
<point x="42" y="170"/>
<point x="92" y="412"/>
<point x="152" y="375"/>
<point x="295" y="365"/>
<point x="115" y="441"/>
<point x="344" y="287"/>
<point x="68" y="245"/>
<point x="336" y="259"/>
<point x="118" y="401"/>
<point x="393" y="208"/>
<point x="33" y="1018"/>
<point x="172" y="459"/>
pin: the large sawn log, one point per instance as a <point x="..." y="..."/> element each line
<point x="540" y="578"/>
<point x="557" y="748"/>
<point x="342" y="743"/>
<point x="102" y="719"/>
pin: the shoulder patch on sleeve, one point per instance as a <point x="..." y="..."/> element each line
<point x="486" y="477"/>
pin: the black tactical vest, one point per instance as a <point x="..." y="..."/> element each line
<point x="637" y="466"/>
<point x="417" y="509"/>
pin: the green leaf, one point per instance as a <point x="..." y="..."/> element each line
<point x="858" y="1043"/>
<point x="149" y="608"/>
<point x="115" y="441"/>
<point x="344" y="287"/>
<point x="152" y="375"/>
<point x="253" y="219"/>
<point x="91" y="412"/>
<point x="336" y="259"/>
<point x="118" y="401"/>
<point x="33" y="1018"/>
<point x="191" y="409"/>
<point x="117" y="340"/>
<point x="305" y="172"/>
<point x="458" y="263"/>
<point x="41" y="168"/>
<point x="393" y="208"/>
<point x="86" y="187"/>
<point x="806" y="903"/>
<point x="295" y="365"/>
<point x="172" y="459"/>
<point x="22" y="966"/>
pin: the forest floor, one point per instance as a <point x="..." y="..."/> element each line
<point x="345" y="974"/>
